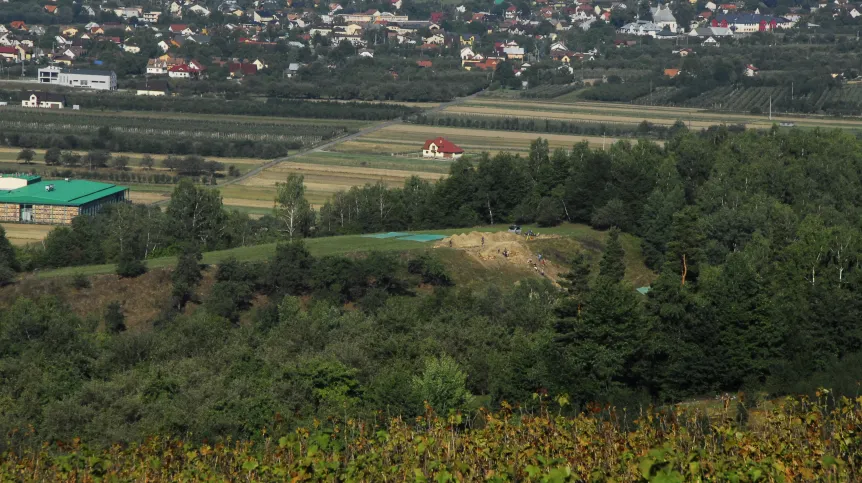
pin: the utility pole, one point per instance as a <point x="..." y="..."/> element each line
<point x="770" y="108"/>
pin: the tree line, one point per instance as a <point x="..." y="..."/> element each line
<point x="248" y="107"/>
<point x="754" y="238"/>
<point x="104" y="139"/>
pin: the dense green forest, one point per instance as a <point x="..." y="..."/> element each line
<point x="754" y="237"/>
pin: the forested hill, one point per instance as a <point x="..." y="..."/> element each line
<point x="755" y="237"/>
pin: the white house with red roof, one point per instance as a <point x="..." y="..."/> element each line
<point x="181" y="71"/>
<point x="441" y="148"/>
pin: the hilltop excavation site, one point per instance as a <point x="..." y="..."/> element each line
<point x="505" y="250"/>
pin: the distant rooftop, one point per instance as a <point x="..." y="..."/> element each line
<point x="64" y="193"/>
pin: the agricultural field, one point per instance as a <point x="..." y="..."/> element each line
<point x="848" y="99"/>
<point x="21" y="234"/>
<point x="610" y="113"/>
<point x="406" y="138"/>
<point x="328" y="172"/>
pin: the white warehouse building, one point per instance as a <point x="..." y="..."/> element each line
<point x="87" y="78"/>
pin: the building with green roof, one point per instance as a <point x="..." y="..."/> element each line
<point x="26" y="198"/>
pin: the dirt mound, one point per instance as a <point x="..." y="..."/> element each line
<point x="501" y="248"/>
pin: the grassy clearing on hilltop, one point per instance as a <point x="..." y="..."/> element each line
<point x="588" y="239"/>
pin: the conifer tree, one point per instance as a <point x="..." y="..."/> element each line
<point x="613" y="265"/>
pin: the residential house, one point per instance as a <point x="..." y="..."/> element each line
<point x="131" y="48"/>
<point x="263" y="16"/>
<point x="366" y="53"/>
<point x="181" y="71"/>
<point x="128" y="12"/>
<point x="481" y="64"/>
<point x="52" y="9"/>
<point x="62" y="59"/>
<point x="435" y="39"/>
<point x="706" y="32"/>
<point x="260" y="65"/>
<point x="45" y="100"/>
<point x="152" y="17"/>
<point x="710" y="42"/>
<point x="18" y="25"/>
<point x="750" y="71"/>
<point x="292" y="70"/>
<point x="441" y="148"/>
<point x="9" y="54"/>
<point x="640" y="28"/>
<point x="424" y="64"/>
<point x="514" y="53"/>
<point x="671" y="73"/>
<point x="69" y="31"/>
<point x="181" y="29"/>
<point x="238" y="69"/>
<point x="750" y="22"/>
<point x="200" y="10"/>
<point x="564" y="56"/>
<point x="153" y="88"/>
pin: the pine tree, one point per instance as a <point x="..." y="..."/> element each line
<point x="576" y="283"/>
<point x="186" y="277"/>
<point x="115" y="320"/>
<point x="7" y="252"/>
<point x="613" y="265"/>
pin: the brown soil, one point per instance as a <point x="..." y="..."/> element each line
<point x="142" y="298"/>
<point x="491" y="254"/>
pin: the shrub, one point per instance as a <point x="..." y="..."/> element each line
<point x="130" y="266"/>
<point x="80" y="281"/>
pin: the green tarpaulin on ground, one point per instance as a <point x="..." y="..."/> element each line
<point x="391" y="234"/>
<point x="423" y="238"/>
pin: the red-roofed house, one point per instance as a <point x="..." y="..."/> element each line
<point x="9" y="53"/>
<point x="196" y="67"/>
<point x="750" y="71"/>
<point x="51" y="9"/>
<point x="436" y="17"/>
<point x="179" y="28"/>
<point x="441" y="148"/>
<point x="18" y="25"/>
<point x="424" y="63"/>
<point x="181" y="71"/>
<point x="236" y="69"/>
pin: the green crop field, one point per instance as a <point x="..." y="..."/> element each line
<point x="697" y="117"/>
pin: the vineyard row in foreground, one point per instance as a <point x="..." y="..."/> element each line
<point x="797" y="440"/>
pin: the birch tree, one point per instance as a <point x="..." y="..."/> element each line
<point x="291" y="208"/>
